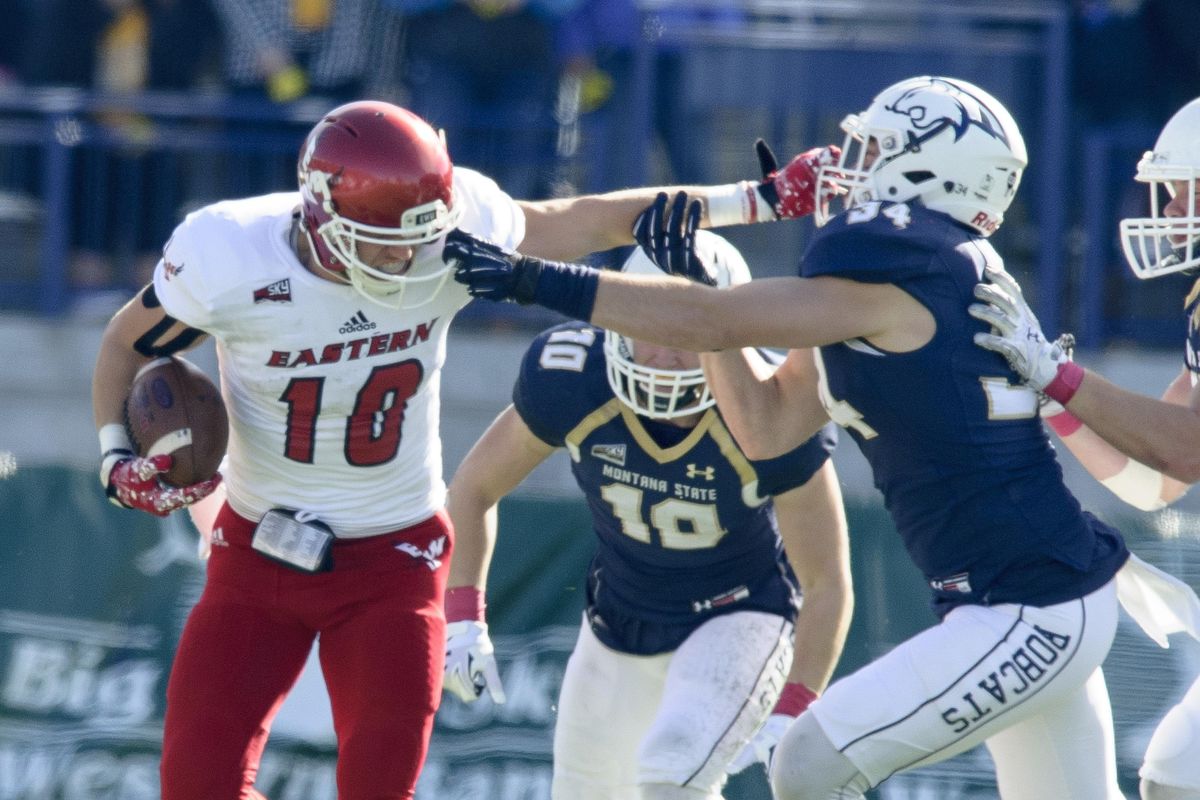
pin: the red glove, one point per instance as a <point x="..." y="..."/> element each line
<point x="133" y="482"/>
<point x="792" y="191"/>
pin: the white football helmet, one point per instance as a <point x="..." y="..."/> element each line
<point x="668" y="393"/>
<point x="1163" y="243"/>
<point x="942" y="140"/>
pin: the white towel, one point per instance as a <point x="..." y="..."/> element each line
<point x="1158" y="601"/>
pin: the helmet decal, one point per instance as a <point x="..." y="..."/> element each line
<point x="939" y="105"/>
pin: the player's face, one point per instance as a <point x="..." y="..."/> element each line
<point x="652" y="355"/>
<point x="871" y="154"/>
<point x="393" y="259"/>
<point x="1184" y="202"/>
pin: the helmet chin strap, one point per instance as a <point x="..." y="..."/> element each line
<point x="304" y="253"/>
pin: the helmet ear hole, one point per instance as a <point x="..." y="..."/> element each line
<point x="919" y="176"/>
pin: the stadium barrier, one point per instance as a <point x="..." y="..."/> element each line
<point x="93" y="598"/>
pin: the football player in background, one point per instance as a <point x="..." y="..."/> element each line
<point x="687" y="639"/>
<point x="1022" y="577"/>
<point x="1145" y="451"/>
<point x="329" y="307"/>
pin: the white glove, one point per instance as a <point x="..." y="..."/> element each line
<point x="1018" y="335"/>
<point x="762" y="746"/>
<point x="470" y="662"/>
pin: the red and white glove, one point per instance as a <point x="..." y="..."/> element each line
<point x="794" y="698"/>
<point x="470" y="658"/>
<point x="133" y="482"/>
<point x="792" y="191"/>
<point x="788" y="193"/>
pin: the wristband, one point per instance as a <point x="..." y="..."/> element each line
<point x="1066" y="382"/>
<point x="737" y="204"/>
<point x="114" y="437"/>
<point x="1064" y="423"/>
<point x="566" y="288"/>
<point x="794" y="698"/>
<point x="464" y="602"/>
<point x="1138" y="485"/>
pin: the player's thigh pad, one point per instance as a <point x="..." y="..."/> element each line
<point x="721" y="685"/>
<point x="948" y="688"/>
<point x="1173" y="757"/>
<point x="1065" y="751"/>
<point x="607" y="702"/>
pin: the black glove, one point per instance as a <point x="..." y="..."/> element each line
<point x="489" y="270"/>
<point x="769" y="165"/>
<point x="672" y="246"/>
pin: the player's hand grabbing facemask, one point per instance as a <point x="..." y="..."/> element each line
<point x="471" y="662"/>
<point x="489" y="270"/>
<point x="134" y="482"/>
<point x="792" y="191"/>
<point x="1017" y="335"/>
<point x="669" y="237"/>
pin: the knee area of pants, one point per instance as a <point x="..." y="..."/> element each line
<point x="806" y="766"/>
<point x="1150" y="790"/>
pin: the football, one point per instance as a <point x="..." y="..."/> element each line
<point x="174" y="408"/>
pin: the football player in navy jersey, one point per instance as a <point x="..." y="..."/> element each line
<point x="1022" y="578"/>
<point x="1144" y="450"/>
<point x="687" y="639"/>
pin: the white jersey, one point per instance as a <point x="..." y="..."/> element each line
<point x="333" y="400"/>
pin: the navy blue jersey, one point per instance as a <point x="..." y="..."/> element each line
<point x="684" y="522"/>
<point x="954" y="440"/>
<point x="1191" y="310"/>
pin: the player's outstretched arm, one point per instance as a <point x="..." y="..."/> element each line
<point x="1163" y="436"/>
<point x="569" y="228"/>
<point x="506" y="453"/>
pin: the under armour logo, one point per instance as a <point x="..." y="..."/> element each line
<point x="432" y="555"/>
<point x="708" y="473"/>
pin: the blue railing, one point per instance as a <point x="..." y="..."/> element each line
<point x="104" y="171"/>
<point x="116" y="173"/>
<point x="808" y="63"/>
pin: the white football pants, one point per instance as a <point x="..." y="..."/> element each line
<point x="626" y="721"/>
<point x="1026" y="680"/>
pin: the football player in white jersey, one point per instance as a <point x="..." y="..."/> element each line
<point x="329" y="307"/>
<point x="1145" y="451"/>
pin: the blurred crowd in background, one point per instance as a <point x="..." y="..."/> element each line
<point x="534" y="93"/>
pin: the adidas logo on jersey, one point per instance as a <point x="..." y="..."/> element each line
<point x="357" y="324"/>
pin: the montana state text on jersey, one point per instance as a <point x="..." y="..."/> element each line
<point x="683" y="520"/>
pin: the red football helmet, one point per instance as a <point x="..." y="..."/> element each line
<point x="374" y="172"/>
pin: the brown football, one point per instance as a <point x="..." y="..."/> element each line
<point x="173" y="407"/>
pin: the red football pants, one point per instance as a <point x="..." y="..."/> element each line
<point x="382" y="650"/>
